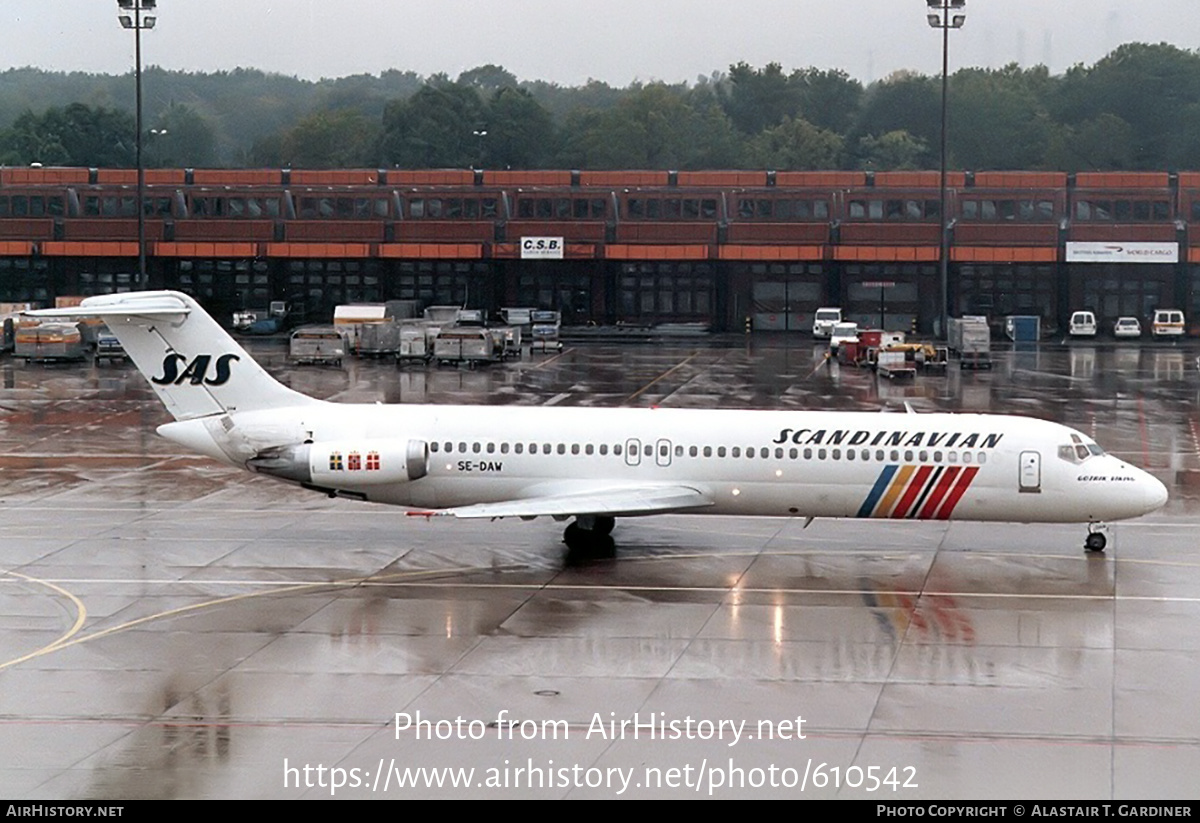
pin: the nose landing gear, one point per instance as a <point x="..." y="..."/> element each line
<point x="1096" y="539"/>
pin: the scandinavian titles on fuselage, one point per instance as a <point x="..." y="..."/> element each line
<point x="862" y="437"/>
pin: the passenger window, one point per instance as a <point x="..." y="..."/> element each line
<point x="924" y="458"/>
<point x="952" y="457"/>
<point x="574" y="448"/>
<point x="778" y="454"/>
<point x="793" y="453"/>
<point x="476" y="447"/>
<point x="462" y="447"/>
<point x="808" y="454"/>
<point x="603" y="449"/>
<point x="720" y="451"/>
<point x="504" y="448"/>
<point x="589" y="449"/>
<point x="519" y="448"/>
<point x="433" y="447"/>
<point x="546" y="448"/>
<point x="708" y="451"/>
<point x="837" y="454"/>
<point x="879" y="455"/>
<point x="562" y="448"/>
<point x="736" y="451"/>
<point x="982" y="457"/>
<point x="820" y="454"/>
<point x="966" y="457"/>
<point x="908" y="456"/>
<point x="866" y="454"/>
<point x="693" y="451"/>
<point x="491" y="448"/>
<point x="937" y="457"/>
<point x="616" y="450"/>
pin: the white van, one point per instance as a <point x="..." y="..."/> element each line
<point x="1083" y="324"/>
<point x="1167" y="323"/>
<point x="824" y="321"/>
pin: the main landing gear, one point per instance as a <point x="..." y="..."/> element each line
<point x="590" y="537"/>
<point x="1096" y="539"/>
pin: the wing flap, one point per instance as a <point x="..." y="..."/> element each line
<point x="612" y="502"/>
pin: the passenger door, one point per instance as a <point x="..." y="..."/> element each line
<point x="1030" y="479"/>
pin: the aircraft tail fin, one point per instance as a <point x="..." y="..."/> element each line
<point x="193" y="364"/>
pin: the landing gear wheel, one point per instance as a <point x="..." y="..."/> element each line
<point x="604" y="525"/>
<point x="589" y="544"/>
<point x="1095" y="542"/>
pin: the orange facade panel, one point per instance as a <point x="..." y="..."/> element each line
<point x="723" y="179"/>
<point x="83" y="248"/>
<point x="222" y="250"/>
<point x="335" y="231"/>
<point x="626" y="251"/>
<point x="1020" y="179"/>
<point x="572" y="251"/>
<point x="237" y="177"/>
<point x="335" y="177"/>
<point x="128" y="177"/>
<point x="778" y="233"/>
<point x="526" y="178"/>
<point x="1122" y="232"/>
<point x="623" y="179"/>
<point x="891" y="234"/>
<point x="445" y="231"/>
<point x="318" y="250"/>
<point x="1122" y="180"/>
<point x="589" y="232"/>
<point x="820" y="179"/>
<point x="1005" y="234"/>
<point x="886" y="254"/>
<point x="216" y="231"/>
<point x="918" y="179"/>
<point x="441" y="251"/>
<point x="781" y="253"/>
<point x="100" y="228"/>
<point x="701" y="231"/>
<point x="15" y="248"/>
<point x="1003" y="254"/>
<point x="27" y="228"/>
<point x="430" y="177"/>
<point x="43" y="177"/>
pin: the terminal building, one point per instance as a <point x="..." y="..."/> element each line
<point x="729" y="250"/>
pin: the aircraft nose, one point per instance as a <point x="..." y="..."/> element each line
<point x="1155" y="493"/>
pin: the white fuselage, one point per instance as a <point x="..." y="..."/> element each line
<point x="769" y="463"/>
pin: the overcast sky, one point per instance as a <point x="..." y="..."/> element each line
<point x="569" y="42"/>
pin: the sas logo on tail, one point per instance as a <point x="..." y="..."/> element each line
<point x="196" y="371"/>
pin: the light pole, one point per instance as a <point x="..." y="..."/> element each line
<point x="138" y="15"/>
<point x="944" y="15"/>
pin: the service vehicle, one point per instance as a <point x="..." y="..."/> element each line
<point x="824" y="320"/>
<point x="1167" y="323"/>
<point x="1083" y="324"/>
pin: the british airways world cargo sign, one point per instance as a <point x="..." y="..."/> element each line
<point x="542" y="248"/>
<point x="1122" y="252"/>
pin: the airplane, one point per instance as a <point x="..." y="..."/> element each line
<point x="591" y="465"/>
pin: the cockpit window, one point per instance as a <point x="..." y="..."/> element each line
<point x="1078" y="450"/>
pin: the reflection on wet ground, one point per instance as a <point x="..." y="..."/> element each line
<point x="172" y="629"/>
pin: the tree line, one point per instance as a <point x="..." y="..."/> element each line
<point x="1136" y="108"/>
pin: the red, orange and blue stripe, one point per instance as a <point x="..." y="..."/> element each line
<point x="917" y="492"/>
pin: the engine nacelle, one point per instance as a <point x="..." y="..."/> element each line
<point x="346" y="463"/>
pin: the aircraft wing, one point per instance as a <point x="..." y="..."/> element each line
<point x="611" y="501"/>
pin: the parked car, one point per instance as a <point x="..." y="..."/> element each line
<point x="1083" y="324"/>
<point x="1127" y="327"/>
